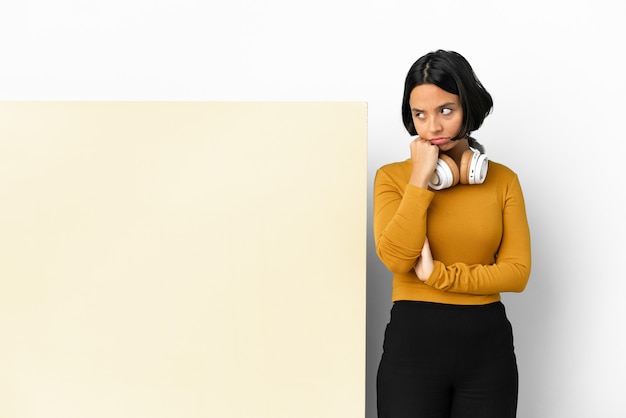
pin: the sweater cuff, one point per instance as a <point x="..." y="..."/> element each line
<point x="416" y="197"/>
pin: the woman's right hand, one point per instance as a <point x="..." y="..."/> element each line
<point x="424" y="157"/>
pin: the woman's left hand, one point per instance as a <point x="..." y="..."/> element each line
<point x="424" y="266"/>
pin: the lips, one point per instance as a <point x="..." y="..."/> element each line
<point x="439" y="141"/>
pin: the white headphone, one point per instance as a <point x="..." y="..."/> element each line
<point x="473" y="170"/>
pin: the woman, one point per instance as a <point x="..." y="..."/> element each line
<point x="451" y="226"/>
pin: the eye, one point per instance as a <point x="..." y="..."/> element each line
<point x="446" y="111"/>
<point x="419" y="115"/>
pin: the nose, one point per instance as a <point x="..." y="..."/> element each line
<point x="433" y="125"/>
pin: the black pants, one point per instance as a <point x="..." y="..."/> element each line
<point x="447" y="361"/>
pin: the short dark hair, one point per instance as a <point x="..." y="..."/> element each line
<point x="451" y="72"/>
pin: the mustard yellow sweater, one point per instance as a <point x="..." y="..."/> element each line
<point x="478" y="235"/>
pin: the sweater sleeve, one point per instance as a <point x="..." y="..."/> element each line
<point x="399" y="222"/>
<point x="510" y="272"/>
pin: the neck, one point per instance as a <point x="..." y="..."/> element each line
<point x="457" y="152"/>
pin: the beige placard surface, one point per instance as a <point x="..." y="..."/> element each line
<point x="182" y="259"/>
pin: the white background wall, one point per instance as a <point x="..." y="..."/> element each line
<point x="556" y="73"/>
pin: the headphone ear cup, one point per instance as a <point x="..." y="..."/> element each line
<point x="446" y="173"/>
<point x="466" y="161"/>
<point x="474" y="167"/>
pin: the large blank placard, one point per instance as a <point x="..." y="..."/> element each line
<point x="182" y="259"/>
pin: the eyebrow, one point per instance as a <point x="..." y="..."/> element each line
<point x="447" y="104"/>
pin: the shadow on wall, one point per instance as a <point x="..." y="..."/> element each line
<point x="378" y="308"/>
<point x="532" y="315"/>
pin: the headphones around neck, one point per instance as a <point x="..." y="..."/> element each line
<point x="473" y="170"/>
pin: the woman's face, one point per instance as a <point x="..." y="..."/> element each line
<point x="437" y="115"/>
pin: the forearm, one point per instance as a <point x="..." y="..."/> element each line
<point x="480" y="279"/>
<point x="400" y="227"/>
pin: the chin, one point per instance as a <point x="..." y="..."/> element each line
<point x="447" y="146"/>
